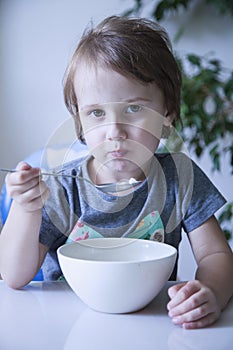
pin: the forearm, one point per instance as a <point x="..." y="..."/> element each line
<point x="19" y="246"/>
<point x="216" y="272"/>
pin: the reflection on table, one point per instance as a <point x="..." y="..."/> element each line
<point x="51" y="316"/>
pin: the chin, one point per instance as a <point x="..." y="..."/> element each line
<point x="122" y="166"/>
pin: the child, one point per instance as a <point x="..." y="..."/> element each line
<point x="122" y="87"/>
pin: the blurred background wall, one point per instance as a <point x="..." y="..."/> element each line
<point x="37" y="39"/>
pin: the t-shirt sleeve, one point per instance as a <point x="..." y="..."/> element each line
<point x="205" y="200"/>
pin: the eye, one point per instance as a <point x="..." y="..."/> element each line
<point x="133" y="109"/>
<point x="97" y="113"/>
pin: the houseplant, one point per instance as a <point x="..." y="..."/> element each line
<point x="207" y="96"/>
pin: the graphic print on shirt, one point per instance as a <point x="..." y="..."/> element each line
<point x="150" y="228"/>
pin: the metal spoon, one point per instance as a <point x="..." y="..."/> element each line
<point x="108" y="187"/>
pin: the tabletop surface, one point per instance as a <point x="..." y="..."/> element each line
<point x="50" y="316"/>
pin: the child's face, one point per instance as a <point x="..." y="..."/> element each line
<point x="121" y="118"/>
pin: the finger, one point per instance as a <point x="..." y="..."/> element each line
<point x="22" y="176"/>
<point x="32" y="193"/>
<point x="26" y="186"/>
<point x="184" y="293"/>
<point x="190" y="311"/>
<point x="174" y="289"/>
<point x="38" y="203"/>
<point x="35" y="198"/>
<point x="15" y="190"/>
<point x="23" y="166"/>
<point x="202" y="322"/>
<point x="196" y="306"/>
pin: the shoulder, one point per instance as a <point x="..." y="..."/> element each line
<point x="175" y="162"/>
<point x="180" y="167"/>
<point x="179" y="157"/>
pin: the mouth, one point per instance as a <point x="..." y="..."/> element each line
<point x="118" y="153"/>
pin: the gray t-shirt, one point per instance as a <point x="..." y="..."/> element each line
<point x="176" y="195"/>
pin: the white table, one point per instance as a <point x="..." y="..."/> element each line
<point x="50" y="316"/>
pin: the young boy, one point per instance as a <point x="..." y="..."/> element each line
<point x="122" y="87"/>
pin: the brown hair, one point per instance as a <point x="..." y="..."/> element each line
<point x="134" y="47"/>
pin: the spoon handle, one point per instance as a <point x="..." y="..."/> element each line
<point x="42" y="173"/>
<point x="108" y="187"/>
<point x="8" y="170"/>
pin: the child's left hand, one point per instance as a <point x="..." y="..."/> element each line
<point x="192" y="305"/>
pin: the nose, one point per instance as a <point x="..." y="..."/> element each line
<point x="116" y="131"/>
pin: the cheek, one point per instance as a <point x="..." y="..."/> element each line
<point x="151" y="142"/>
<point x="94" y="139"/>
<point x="146" y="140"/>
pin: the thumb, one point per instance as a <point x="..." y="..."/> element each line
<point x="23" y="166"/>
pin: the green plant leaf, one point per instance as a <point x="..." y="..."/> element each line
<point x="202" y="77"/>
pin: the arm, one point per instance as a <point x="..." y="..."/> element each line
<point x="21" y="254"/>
<point x="199" y="303"/>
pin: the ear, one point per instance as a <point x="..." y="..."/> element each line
<point x="169" y="119"/>
<point x="167" y="125"/>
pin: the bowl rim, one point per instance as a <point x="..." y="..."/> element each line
<point x="127" y="240"/>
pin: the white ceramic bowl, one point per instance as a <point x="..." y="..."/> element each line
<point x="116" y="275"/>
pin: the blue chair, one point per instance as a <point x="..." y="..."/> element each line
<point x="77" y="150"/>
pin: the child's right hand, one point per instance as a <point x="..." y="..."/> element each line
<point x="26" y="187"/>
